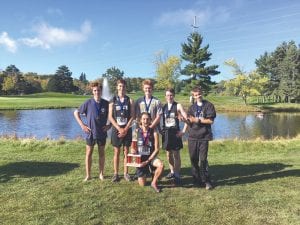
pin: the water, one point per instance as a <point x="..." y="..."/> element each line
<point x="56" y="123"/>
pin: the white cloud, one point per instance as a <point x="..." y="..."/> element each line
<point x="8" y="43"/>
<point x="186" y="17"/>
<point x="48" y="36"/>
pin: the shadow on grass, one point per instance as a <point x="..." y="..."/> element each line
<point x="236" y="174"/>
<point x="34" y="169"/>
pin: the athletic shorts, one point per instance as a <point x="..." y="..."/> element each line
<point x="170" y="141"/>
<point x="90" y="141"/>
<point x="118" y="142"/>
<point x="144" y="171"/>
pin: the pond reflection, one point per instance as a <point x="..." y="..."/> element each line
<point x="55" y="123"/>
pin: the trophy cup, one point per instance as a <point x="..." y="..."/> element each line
<point x="134" y="159"/>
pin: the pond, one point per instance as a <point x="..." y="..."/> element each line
<point x="56" y="123"/>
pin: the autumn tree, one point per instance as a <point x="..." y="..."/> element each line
<point x="245" y="84"/>
<point x="167" y="71"/>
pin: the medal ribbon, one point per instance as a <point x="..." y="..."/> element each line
<point x="145" y="139"/>
<point x="97" y="107"/>
<point x="121" y="104"/>
<point x="148" y="106"/>
<point x="168" y="112"/>
<point x="199" y="109"/>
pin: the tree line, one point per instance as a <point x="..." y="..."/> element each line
<point x="276" y="75"/>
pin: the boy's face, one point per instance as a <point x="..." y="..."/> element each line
<point x="197" y="95"/>
<point x="97" y="92"/>
<point x="147" y="89"/>
<point x="169" y="96"/>
<point x="121" y="88"/>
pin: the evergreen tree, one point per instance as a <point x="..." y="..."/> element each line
<point x="61" y="81"/>
<point x="82" y="78"/>
<point x="196" y="56"/>
<point x="283" y="68"/>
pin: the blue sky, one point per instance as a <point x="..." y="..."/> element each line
<point x="91" y="36"/>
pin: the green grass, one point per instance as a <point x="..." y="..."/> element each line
<point x="257" y="182"/>
<point x="59" y="100"/>
<point x="47" y="100"/>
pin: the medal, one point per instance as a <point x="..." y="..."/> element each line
<point x="148" y="105"/>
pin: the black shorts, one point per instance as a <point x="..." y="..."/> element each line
<point x="118" y="142"/>
<point x="90" y="141"/>
<point x="144" y="171"/>
<point x="170" y="141"/>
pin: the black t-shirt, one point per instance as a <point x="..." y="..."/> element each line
<point x="199" y="131"/>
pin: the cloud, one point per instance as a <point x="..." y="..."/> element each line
<point x="186" y="17"/>
<point x="49" y="36"/>
<point x="8" y="43"/>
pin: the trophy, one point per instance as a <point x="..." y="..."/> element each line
<point x="134" y="159"/>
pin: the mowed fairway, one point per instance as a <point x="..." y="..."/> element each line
<point x="257" y="182"/>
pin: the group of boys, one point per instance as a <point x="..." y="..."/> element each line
<point x="121" y="112"/>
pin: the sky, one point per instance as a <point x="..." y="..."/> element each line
<point x="91" y="36"/>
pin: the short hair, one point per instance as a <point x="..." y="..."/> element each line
<point x="140" y="118"/>
<point x="121" y="81"/>
<point x="96" y="84"/>
<point x="148" y="82"/>
<point x="197" y="89"/>
<point x="170" y="90"/>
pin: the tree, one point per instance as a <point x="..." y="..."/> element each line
<point x="82" y="78"/>
<point x="196" y="69"/>
<point x="61" y="81"/>
<point x="13" y="81"/>
<point x="167" y="70"/>
<point x="283" y="69"/>
<point x="113" y="74"/>
<point x="244" y="84"/>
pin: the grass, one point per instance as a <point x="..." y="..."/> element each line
<point x="257" y="182"/>
<point x="47" y="100"/>
<point x="60" y="100"/>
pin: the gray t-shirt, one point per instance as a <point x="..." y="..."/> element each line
<point x="153" y="107"/>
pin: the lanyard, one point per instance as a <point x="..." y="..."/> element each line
<point x="98" y="107"/>
<point x="121" y="104"/>
<point x="145" y="139"/>
<point x="148" y="106"/>
<point x="168" y="112"/>
<point x="198" y="110"/>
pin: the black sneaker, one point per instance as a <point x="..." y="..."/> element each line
<point x="115" y="178"/>
<point x="170" y="176"/>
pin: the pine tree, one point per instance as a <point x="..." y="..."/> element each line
<point x="197" y="57"/>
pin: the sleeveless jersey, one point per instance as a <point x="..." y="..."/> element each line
<point x="121" y="111"/>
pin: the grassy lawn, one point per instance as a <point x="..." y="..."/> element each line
<point x="59" y="100"/>
<point x="42" y="101"/>
<point x="257" y="182"/>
